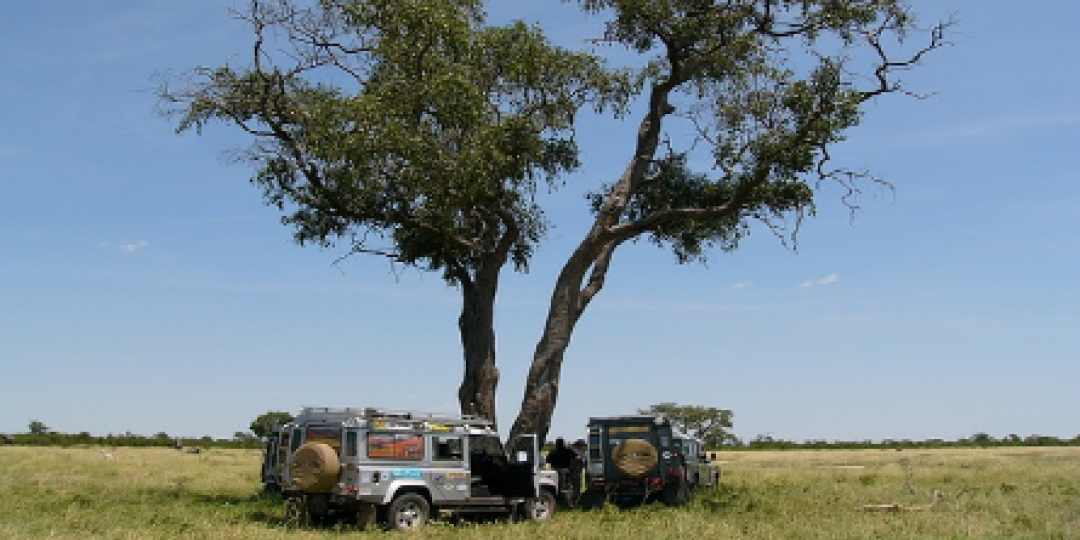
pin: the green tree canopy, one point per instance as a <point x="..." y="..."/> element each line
<point x="764" y="88"/>
<point x="411" y="129"/>
<point x="710" y="424"/>
<point x="266" y="423"/>
<point x="407" y="129"/>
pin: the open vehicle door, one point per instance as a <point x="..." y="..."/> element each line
<point x="523" y="455"/>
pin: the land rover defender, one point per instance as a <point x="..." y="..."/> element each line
<point x="401" y="468"/>
<point x="635" y="459"/>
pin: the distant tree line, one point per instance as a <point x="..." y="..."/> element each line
<point x="713" y="426"/>
<point x="978" y="440"/>
<point x="40" y="434"/>
<point x="709" y="424"/>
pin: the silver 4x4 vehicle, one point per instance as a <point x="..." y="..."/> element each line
<point x="635" y="459"/>
<point x="402" y="468"/>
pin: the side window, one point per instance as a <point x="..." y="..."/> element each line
<point x="395" y="446"/>
<point x="283" y="447"/>
<point x="594" y="445"/>
<point x="351" y="443"/>
<point x="447" y="448"/>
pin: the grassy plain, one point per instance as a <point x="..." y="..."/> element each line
<point x="156" y="493"/>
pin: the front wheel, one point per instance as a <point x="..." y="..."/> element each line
<point x="408" y="511"/>
<point x="540" y="508"/>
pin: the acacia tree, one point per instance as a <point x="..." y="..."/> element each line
<point x="267" y="423"/>
<point x="410" y="130"/>
<point x="709" y="424"/>
<point x="767" y="86"/>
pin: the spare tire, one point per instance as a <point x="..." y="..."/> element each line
<point x="635" y="457"/>
<point x="314" y="468"/>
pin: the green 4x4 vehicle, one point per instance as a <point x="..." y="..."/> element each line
<point x="636" y="459"/>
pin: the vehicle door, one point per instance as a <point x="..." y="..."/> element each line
<point x="523" y="455"/>
<point x="487" y="465"/>
<point x="291" y="439"/>
<point x="270" y="456"/>
<point x="448" y="476"/>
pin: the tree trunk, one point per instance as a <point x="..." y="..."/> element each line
<point x="568" y="302"/>
<point x="584" y="273"/>
<point x="477" y="328"/>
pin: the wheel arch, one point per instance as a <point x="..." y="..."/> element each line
<point x="398" y="488"/>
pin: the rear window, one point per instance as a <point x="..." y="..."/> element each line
<point x="629" y="432"/>
<point x="328" y="435"/>
<point x="646" y="432"/>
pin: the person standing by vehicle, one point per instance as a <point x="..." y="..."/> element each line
<point x="562" y="460"/>
<point x="577" y="467"/>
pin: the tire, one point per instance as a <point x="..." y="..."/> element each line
<point x="408" y="511"/>
<point x="296" y="512"/>
<point x="366" y="515"/>
<point x="313" y="468"/>
<point x="591" y="499"/>
<point x="635" y="457"/>
<point x="541" y="508"/>
<point x="676" y="493"/>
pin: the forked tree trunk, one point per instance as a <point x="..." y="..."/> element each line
<point x="476" y="325"/>
<point x="584" y="273"/>
<point x="568" y="302"/>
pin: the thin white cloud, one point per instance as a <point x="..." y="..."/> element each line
<point x="743" y="285"/>
<point x="131" y="247"/>
<point x="820" y="282"/>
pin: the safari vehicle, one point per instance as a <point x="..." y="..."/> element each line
<point x="635" y="459"/>
<point x="400" y="469"/>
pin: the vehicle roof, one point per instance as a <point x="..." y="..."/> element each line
<point x="631" y="418"/>
<point x="382" y="419"/>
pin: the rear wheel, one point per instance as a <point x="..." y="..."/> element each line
<point x="591" y="499"/>
<point x="408" y="511"/>
<point x="676" y="493"/>
<point x="296" y="511"/>
<point x="366" y="515"/>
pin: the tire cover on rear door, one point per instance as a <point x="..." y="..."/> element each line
<point x="314" y="467"/>
<point x="635" y="457"/>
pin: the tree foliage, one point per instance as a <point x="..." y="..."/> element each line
<point x="267" y="423"/>
<point x="411" y="129"/>
<point x="764" y="88"/>
<point x="407" y="129"/>
<point x="710" y="424"/>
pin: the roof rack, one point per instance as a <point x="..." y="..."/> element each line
<point x="336" y="414"/>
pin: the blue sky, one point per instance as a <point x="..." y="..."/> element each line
<point x="146" y="288"/>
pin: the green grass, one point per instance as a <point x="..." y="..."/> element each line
<point x="154" y="493"/>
